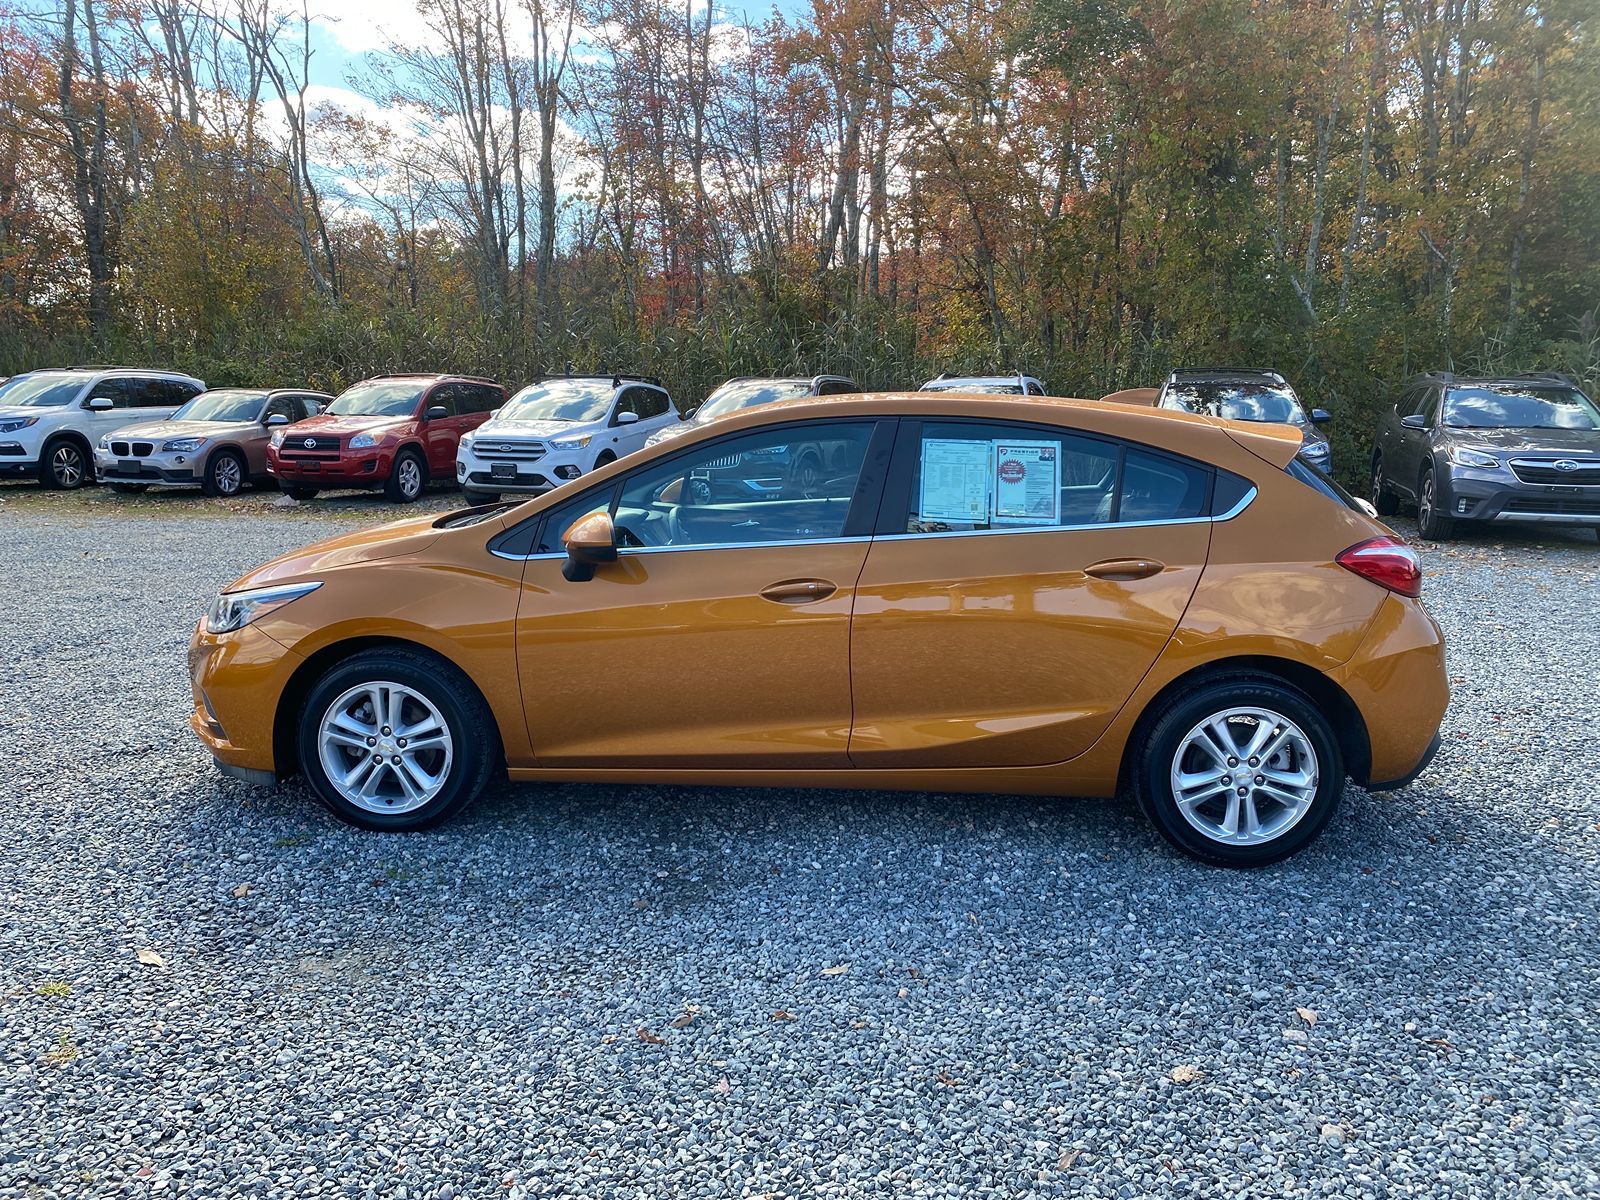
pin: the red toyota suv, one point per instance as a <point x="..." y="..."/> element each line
<point x="393" y="432"/>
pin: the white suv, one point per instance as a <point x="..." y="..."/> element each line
<point x="994" y="385"/>
<point x="558" y="429"/>
<point x="51" y="420"/>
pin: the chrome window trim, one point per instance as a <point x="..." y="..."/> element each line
<point x="1242" y="504"/>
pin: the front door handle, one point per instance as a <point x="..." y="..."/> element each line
<point x="799" y="591"/>
<point x="1125" y="568"/>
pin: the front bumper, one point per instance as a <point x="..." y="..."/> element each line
<point x="237" y="680"/>
<point x="1470" y="494"/>
<point x="351" y="469"/>
<point x="530" y="478"/>
<point x="159" y="468"/>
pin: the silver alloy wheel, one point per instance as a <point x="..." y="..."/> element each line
<point x="385" y="747"/>
<point x="410" y="473"/>
<point x="226" y="475"/>
<point x="67" y="465"/>
<point x="1425" y="501"/>
<point x="1244" y="776"/>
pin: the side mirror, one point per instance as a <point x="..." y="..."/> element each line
<point x="627" y="418"/>
<point x="688" y="413"/>
<point x="100" y="404"/>
<point x="436" y="412"/>
<point x="590" y="541"/>
<point x="1320" y="416"/>
<point x="277" y="419"/>
<point x="1414" y="421"/>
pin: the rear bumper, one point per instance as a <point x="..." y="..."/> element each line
<point x="1410" y="776"/>
<point x="1472" y="495"/>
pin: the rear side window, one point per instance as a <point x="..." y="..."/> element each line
<point x="479" y="397"/>
<point x="1159" y="487"/>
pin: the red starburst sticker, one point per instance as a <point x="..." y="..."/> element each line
<point x="1012" y="471"/>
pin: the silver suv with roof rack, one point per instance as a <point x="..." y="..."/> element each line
<point x="51" y="420"/>
<point x="1249" y="394"/>
<point x="752" y="391"/>
<point x="988" y="385"/>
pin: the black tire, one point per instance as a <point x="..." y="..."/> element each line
<point x="1431" y="523"/>
<point x="130" y="489"/>
<point x="1161" y="738"/>
<point x="298" y="492"/>
<point x="604" y="458"/>
<point x="225" y="474"/>
<point x="66" y="465"/>
<point x="1386" y="503"/>
<point x="473" y="497"/>
<point x="476" y="753"/>
<point x="806" y="478"/>
<point x="408" y="478"/>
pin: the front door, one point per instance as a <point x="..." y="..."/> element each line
<point x="1023" y="582"/>
<point x="721" y="635"/>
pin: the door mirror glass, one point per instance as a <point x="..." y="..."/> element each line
<point x="101" y="404"/>
<point x="277" y="418"/>
<point x="437" y="412"/>
<point x="590" y="541"/>
<point x="1414" y="421"/>
<point x="627" y="418"/>
<point x="1320" y="416"/>
<point x="688" y="413"/>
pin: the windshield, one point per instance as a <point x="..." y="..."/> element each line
<point x="40" y="391"/>
<point x="1514" y="406"/>
<point x="981" y="389"/>
<point x="747" y="393"/>
<point x="378" y="400"/>
<point x="560" y="400"/>
<point x="1237" y="402"/>
<point x="224" y="404"/>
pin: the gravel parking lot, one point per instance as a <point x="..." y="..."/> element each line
<point x="208" y="989"/>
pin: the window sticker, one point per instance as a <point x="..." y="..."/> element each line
<point x="1027" y="483"/>
<point x="955" y="480"/>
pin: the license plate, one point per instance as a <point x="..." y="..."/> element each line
<point x="502" y="470"/>
<point x="128" y="466"/>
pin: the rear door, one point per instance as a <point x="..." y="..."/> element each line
<point x="1023" y="580"/>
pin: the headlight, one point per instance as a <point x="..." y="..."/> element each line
<point x="12" y="424"/>
<point x="1464" y="457"/>
<point x="363" y="441"/>
<point x="235" y="610"/>
<point x="183" y="445"/>
<point x="571" y="443"/>
<point x="277" y="437"/>
<point x="105" y="442"/>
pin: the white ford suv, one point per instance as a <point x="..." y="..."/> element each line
<point x="51" y="420"/>
<point x="557" y="429"/>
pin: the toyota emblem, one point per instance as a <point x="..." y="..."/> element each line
<point x="1566" y="464"/>
<point x="311" y="443"/>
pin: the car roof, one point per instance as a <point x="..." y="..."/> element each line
<point x="1555" y="378"/>
<point x="1224" y="374"/>
<point x="955" y="380"/>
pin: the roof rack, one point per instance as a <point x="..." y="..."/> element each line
<point x="615" y="376"/>
<point x="1227" y="371"/>
<point x="119" y="367"/>
<point x="1553" y="376"/>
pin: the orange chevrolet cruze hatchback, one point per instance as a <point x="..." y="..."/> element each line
<point x="977" y="593"/>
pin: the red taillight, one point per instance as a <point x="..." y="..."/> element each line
<point x="1387" y="562"/>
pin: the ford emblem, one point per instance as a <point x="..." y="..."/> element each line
<point x="506" y="449"/>
<point x="1566" y="464"/>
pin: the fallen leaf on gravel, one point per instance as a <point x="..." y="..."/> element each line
<point x="683" y="1021"/>
<point x="1068" y="1157"/>
<point x="1308" y="1015"/>
<point x="151" y="959"/>
<point x="607" y="1039"/>
<point x="646" y="1036"/>
<point x="240" y="892"/>
<point x="722" y="1085"/>
<point x="947" y="1079"/>
<point x="839" y="970"/>
<point x="1184" y="1073"/>
<point x="641" y="905"/>
<point x="783" y="1015"/>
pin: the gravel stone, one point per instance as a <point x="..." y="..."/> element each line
<point x="460" y="1013"/>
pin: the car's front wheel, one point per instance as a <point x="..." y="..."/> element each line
<point x="1432" y="523"/>
<point x="1239" y="772"/>
<point x="396" y="740"/>
<point x="65" y="465"/>
<point x="407" y="479"/>
<point x="224" y="474"/>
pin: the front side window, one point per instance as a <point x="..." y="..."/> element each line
<point x="1236" y="402"/>
<point x="378" y="399"/>
<point x="114" y="390"/>
<point x="224" y="404"/>
<point x="40" y="391"/>
<point x="651" y="403"/>
<point x="793" y="483"/>
<point x="1519" y="406"/>
<point x="976" y="476"/>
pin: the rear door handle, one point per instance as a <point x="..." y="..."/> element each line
<point x="1125" y="568"/>
<point x="799" y="591"/>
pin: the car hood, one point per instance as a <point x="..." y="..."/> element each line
<point x="490" y="430"/>
<point x="1526" y="441"/>
<point x="337" y="426"/>
<point x="11" y="411"/>
<point x="204" y="429"/>
<point x="668" y="432"/>
<point x="315" y="561"/>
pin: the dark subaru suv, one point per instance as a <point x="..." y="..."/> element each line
<point x="1521" y="448"/>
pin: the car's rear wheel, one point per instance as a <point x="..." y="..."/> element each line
<point x="296" y="492"/>
<point x="407" y="479"/>
<point x="1386" y="503"/>
<point x="1431" y="521"/>
<point x="392" y="739"/>
<point x="64" y="465"/>
<point x="1240" y="772"/>
<point x="224" y="475"/>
